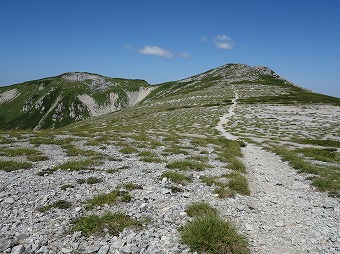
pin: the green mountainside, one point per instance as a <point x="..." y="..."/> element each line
<point x="261" y="80"/>
<point x="58" y="101"/>
<point x="204" y="145"/>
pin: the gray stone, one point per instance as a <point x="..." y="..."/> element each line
<point x="126" y="249"/>
<point x="93" y="248"/>
<point x="249" y="227"/>
<point x="183" y="214"/>
<point x="7" y="244"/>
<point x="77" y="234"/>
<point x="19" y="249"/>
<point x="43" y="250"/>
<point x="66" y="250"/>
<point x="104" y="249"/>
<point x="77" y="209"/>
<point x="117" y="243"/>
<point x="280" y="224"/>
<point x="328" y="206"/>
<point x="9" y="200"/>
<point x="143" y="206"/>
<point x="165" y="191"/>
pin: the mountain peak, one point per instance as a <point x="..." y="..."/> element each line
<point x="81" y="76"/>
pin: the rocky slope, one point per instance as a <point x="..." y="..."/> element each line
<point x="61" y="100"/>
<point x="188" y="120"/>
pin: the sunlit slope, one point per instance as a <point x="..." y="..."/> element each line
<point x="58" y="101"/>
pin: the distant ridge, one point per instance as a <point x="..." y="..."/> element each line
<point x="58" y="101"/>
<point x="70" y="97"/>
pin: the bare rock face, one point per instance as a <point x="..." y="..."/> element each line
<point x="57" y="101"/>
<point x="95" y="82"/>
<point x="8" y="95"/>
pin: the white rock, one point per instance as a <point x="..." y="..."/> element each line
<point x="66" y="250"/>
<point x="183" y="214"/>
<point x="19" y="249"/>
<point x="9" y="200"/>
<point x="143" y="206"/>
<point x="104" y="249"/>
<point x="249" y="227"/>
<point x="280" y="224"/>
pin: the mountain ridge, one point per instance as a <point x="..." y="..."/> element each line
<point x="57" y="101"/>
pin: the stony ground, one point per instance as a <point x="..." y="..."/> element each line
<point x="283" y="214"/>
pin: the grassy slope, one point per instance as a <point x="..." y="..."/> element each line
<point x="48" y="90"/>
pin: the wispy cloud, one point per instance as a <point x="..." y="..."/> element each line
<point x="154" y="50"/>
<point x="183" y="55"/>
<point x="223" y="42"/>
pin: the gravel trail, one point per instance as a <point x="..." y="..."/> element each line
<point x="287" y="215"/>
<point x="225" y="119"/>
<point x="284" y="214"/>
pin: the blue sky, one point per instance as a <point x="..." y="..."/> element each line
<point x="162" y="40"/>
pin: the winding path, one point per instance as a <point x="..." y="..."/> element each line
<point x="283" y="214"/>
<point x="225" y="119"/>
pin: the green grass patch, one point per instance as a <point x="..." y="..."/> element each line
<point x="132" y="186"/>
<point x="14" y="165"/>
<point x="50" y="141"/>
<point x="72" y="150"/>
<point x="319" y="142"/>
<point x="200" y="158"/>
<point x="188" y="165"/>
<point x="176" y="177"/>
<point x="325" y="178"/>
<point x="297" y="161"/>
<point x="5" y="141"/>
<point x="236" y="164"/>
<point x="174" y="150"/>
<point x="112" y="197"/>
<point x="175" y="189"/>
<point x="200" y="209"/>
<point x="321" y="154"/>
<point x="67" y="186"/>
<point x="46" y="172"/>
<point x="93" y="180"/>
<point x="152" y="159"/>
<point x="128" y="150"/>
<point x="35" y="158"/>
<point x="60" y="204"/>
<point x="78" y="165"/>
<point x="112" y="170"/>
<point x="112" y="223"/>
<point x="211" y="180"/>
<point x="238" y="183"/>
<point x="224" y="192"/>
<point x="99" y="141"/>
<point x="30" y="153"/>
<point x="19" y="152"/>
<point x="81" y="180"/>
<point x="211" y="234"/>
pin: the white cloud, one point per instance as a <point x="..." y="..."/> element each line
<point x="223" y="42"/>
<point x="184" y="55"/>
<point x="154" y="50"/>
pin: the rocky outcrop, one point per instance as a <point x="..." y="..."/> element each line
<point x="8" y="95"/>
<point x="58" y="101"/>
